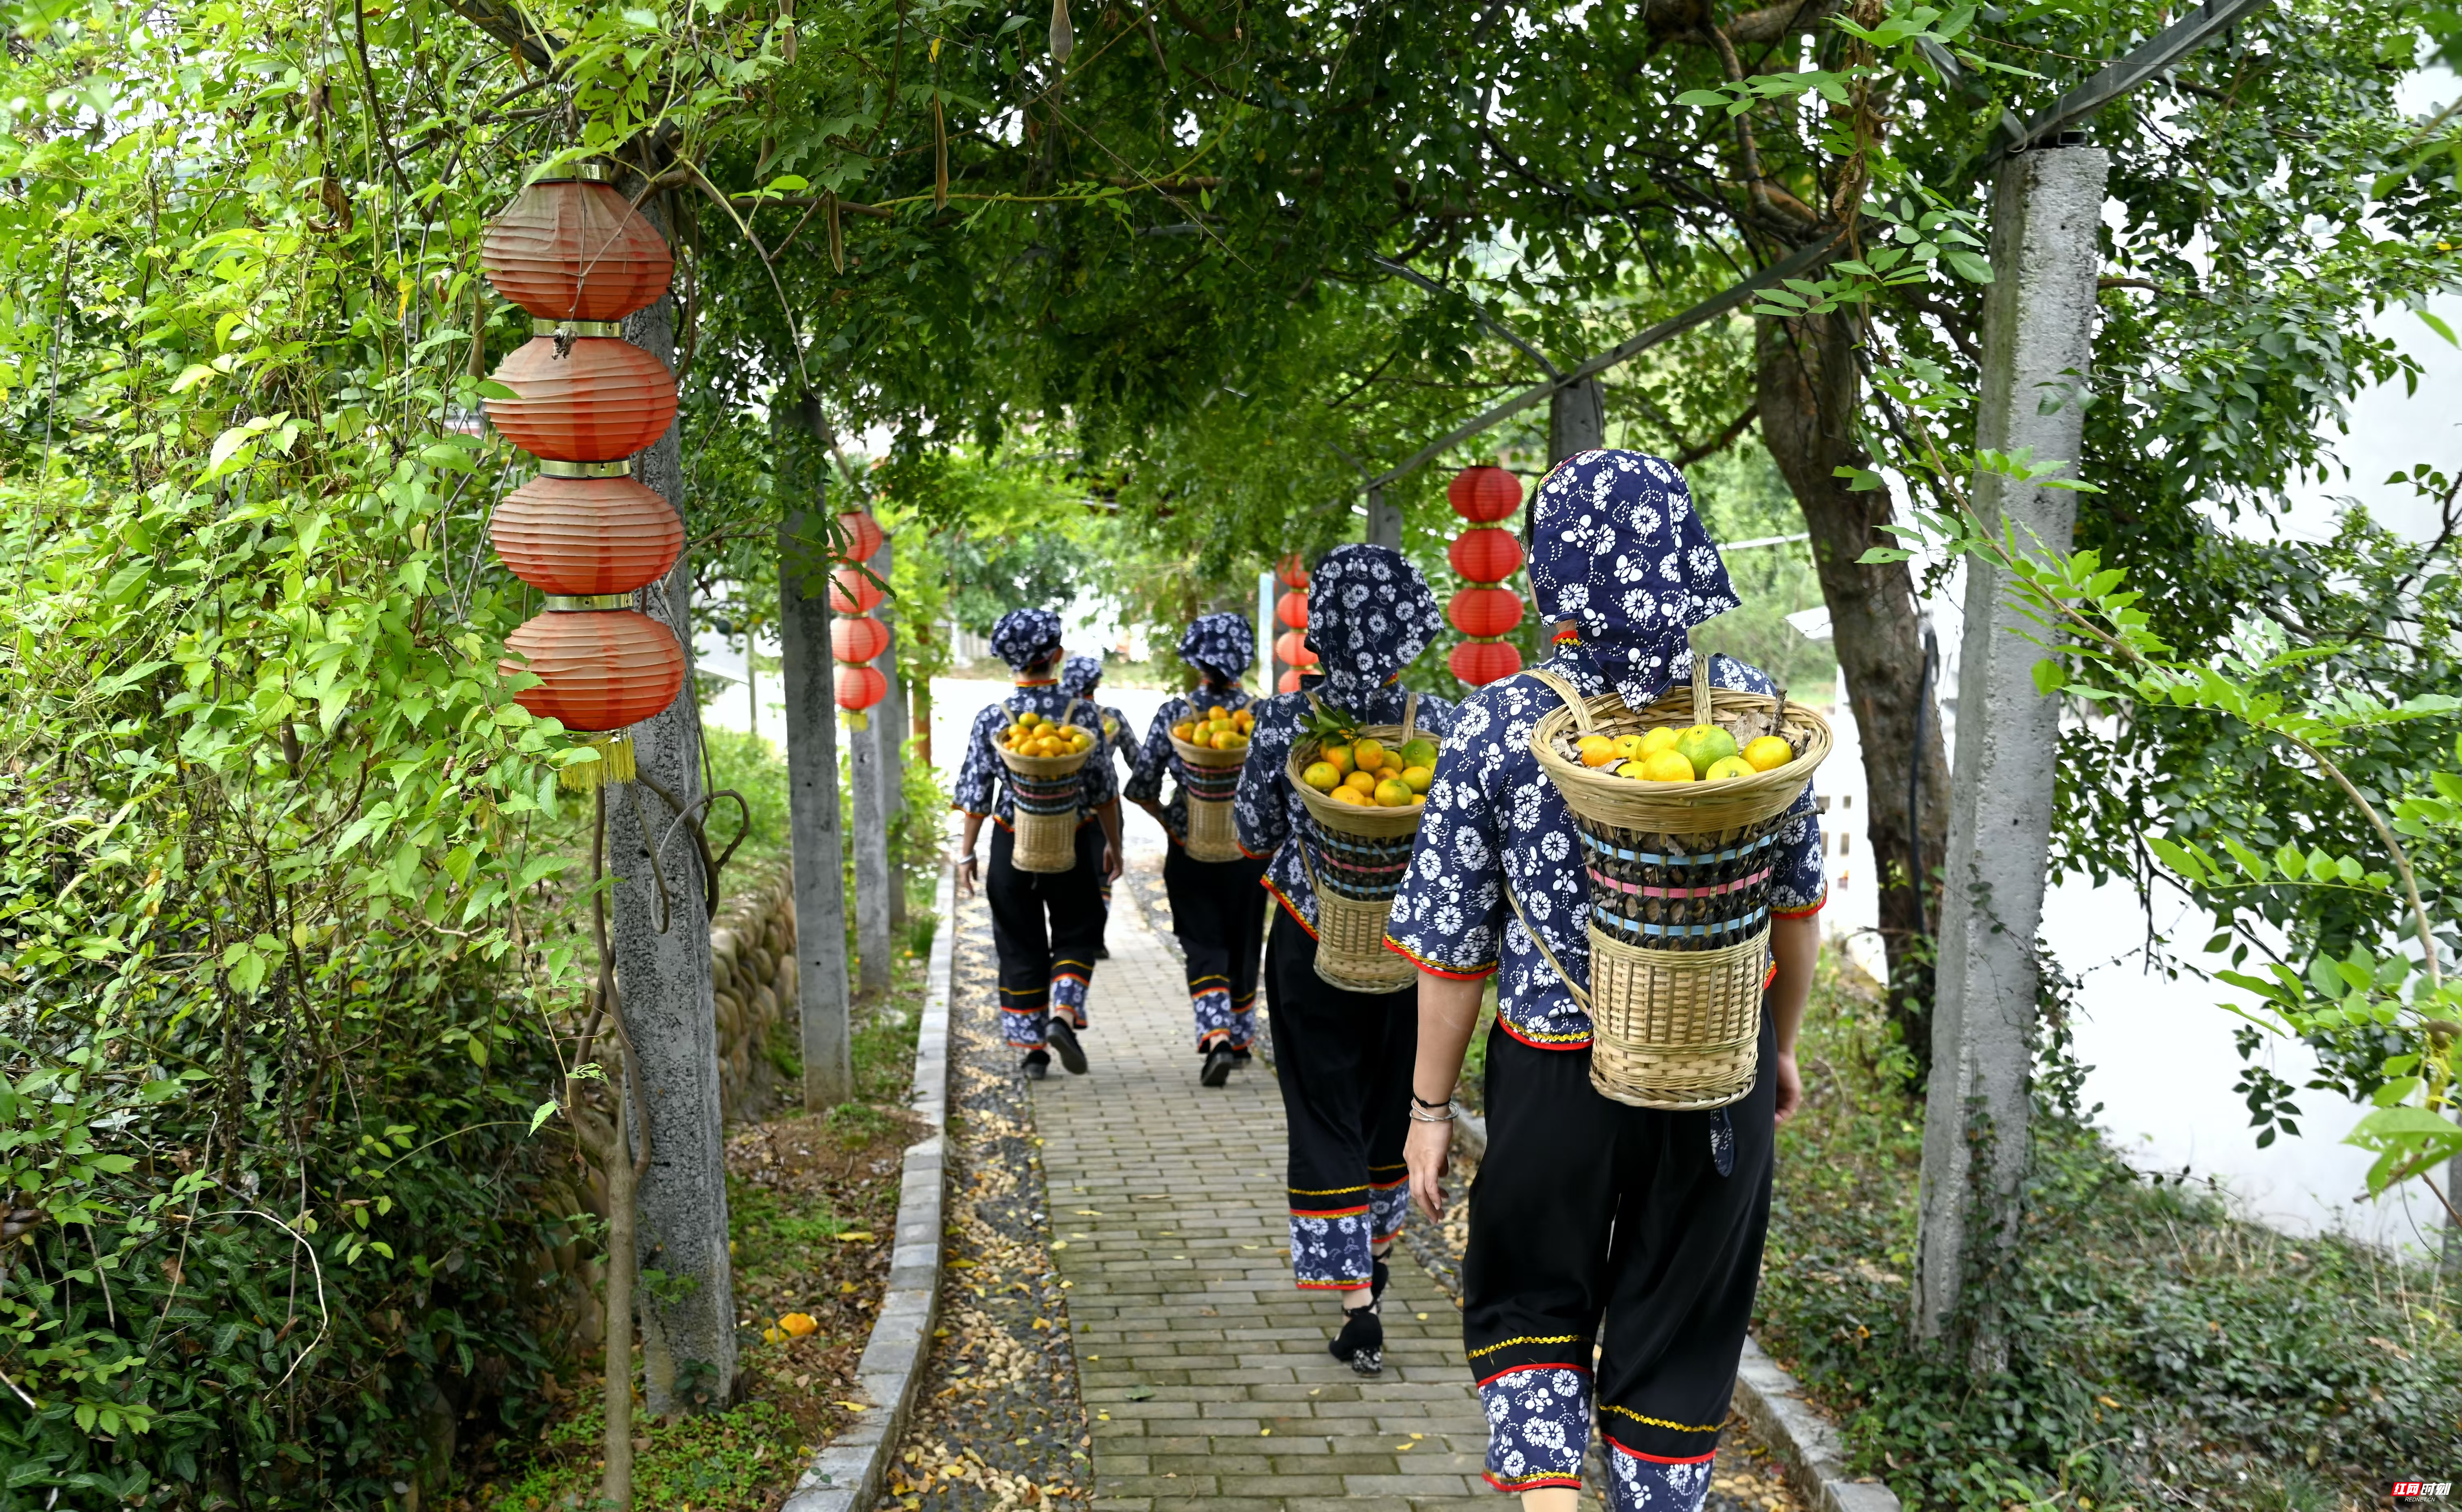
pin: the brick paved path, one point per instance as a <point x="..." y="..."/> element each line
<point x="1204" y="1371"/>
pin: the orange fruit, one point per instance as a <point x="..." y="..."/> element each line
<point x="1394" y="793"/>
<point x="1666" y="766"/>
<point x="1769" y="753"/>
<point x="1417" y="778"/>
<point x="1368" y="755"/>
<point x="1321" y="776"/>
<point x="1360" y="782"/>
<point x="1597" y="750"/>
<point x="1349" y="796"/>
<point x="1726" y="767"/>
<point x="1654" y="741"/>
<point x="1340" y="756"/>
<point x="1628" y="745"/>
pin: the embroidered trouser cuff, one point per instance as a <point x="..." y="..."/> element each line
<point x="1538" y="1425"/>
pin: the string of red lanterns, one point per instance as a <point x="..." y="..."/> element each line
<point x="1291" y="611"/>
<point x="856" y="638"/>
<point x="1484" y="557"/>
<point x="578" y="257"/>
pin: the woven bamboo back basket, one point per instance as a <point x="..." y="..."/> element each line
<point x="1355" y="858"/>
<point x="1209" y="779"/>
<point x="1679" y="876"/>
<point x="1046" y="793"/>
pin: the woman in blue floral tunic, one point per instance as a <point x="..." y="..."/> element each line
<point x="1592" y="1225"/>
<point x="1342" y="1058"/>
<point x="1046" y="926"/>
<point x="1216" y="909"/>
<point x="1079" y="677"/>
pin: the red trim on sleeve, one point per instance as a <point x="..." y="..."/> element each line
<point x="1820" y="903"/>
<point x="1506" y="1024"/>
<point x="1481" y="974"/>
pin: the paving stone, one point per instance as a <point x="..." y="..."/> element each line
<point x="1179" y="1286"/>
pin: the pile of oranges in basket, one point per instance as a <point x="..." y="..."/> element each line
<point x="1035" y="735"/>
<point x="1366" y="775"/>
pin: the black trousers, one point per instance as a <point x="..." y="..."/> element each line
<point x="1217" y="911"/>
<point x="1588" y="1212"/>
<point x="1044" y="928"/>
<point x="1342" y="1060"/>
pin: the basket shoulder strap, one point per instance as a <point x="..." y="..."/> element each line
<point x="1571" y="695"/>
<point x="1701" y="678"/>
<point x="1541" y="940"/>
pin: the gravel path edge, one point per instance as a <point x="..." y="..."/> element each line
<point x="1770" y="1400"/>
<point x="847" y="1473"/>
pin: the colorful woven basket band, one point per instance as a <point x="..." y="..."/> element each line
<point x="1720" y="931"/>
<point x="1606" y="849"/>
<point x="1740" y="884"/>
<point x="1045" y="795"/>
<point x="1212" y="784"/>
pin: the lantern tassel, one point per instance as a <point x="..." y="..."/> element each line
<point x="856" y="720"/>
<point x="615" y="764"/>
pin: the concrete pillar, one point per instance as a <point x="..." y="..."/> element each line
<point x="2037" y="326"/>
<point x="1577" y="418"/>
<point x="660" y="940"/>
<point x="1384" y="520"/>
<point x="818" y="836"/>
<point x="869" y="763"/>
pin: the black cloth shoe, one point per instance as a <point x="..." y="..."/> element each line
<point x="1036" y="1066"/>
<point x="1064" y="1041"/>
<point x="1361" y="1343"/>
<point x="1102" y="952"/>
<point x="1239" y="1056"/>
<point x="1217" y="1068"/>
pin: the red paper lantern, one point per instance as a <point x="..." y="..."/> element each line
<point x="860" y="687"/>
<point x="864" y="536"/>
<point x="602" y="402"/>
<point x="586" y="535"/>
<point x="1481" y="494"/>
<point x="1486" y="556"/>
<point x="598" y="669"/>
<point x="573" y="250"/>
<point x="1485" y="611"/>
<point x="1289" y="681"/>
<point x="1291" y="573"/>
<point x="1480" y="662"/>
<point x="1291" y="609"/>
<point x="852" y="592"/>
<point x="857" y="639"/>
<point x="1290" y="648"/>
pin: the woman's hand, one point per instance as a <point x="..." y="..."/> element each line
<point x="1427" y="1152"/>
<point x="1790" y="1086"/>
<point x="966" y="878"/>
<point x="1113" y="866"/>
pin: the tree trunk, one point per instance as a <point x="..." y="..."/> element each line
<point x="818" y="833"/>
<point x="892" y="743"/>
<point x="869" y="765"/>
<point x="663" y="965"/>
<point x="1810" y="392"/>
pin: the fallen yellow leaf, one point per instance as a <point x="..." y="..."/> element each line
<point x="855" y="1236"/>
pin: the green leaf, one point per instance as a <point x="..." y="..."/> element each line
<point x="2435" y="323"/>
<point x="1702" y="98"/>
<point x="542" y="1113"/>
<point x="1969" y="267"/>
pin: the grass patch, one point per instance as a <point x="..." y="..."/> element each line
<point x="2162" y="1350"/>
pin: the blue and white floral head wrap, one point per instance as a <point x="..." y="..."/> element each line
<point x="1616" y="545"/>
<point x="1079" y="674"/>
<point x="1222" y="645"/>
<point x="1026" y="637"/>
<point x="1369" y="613"/>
